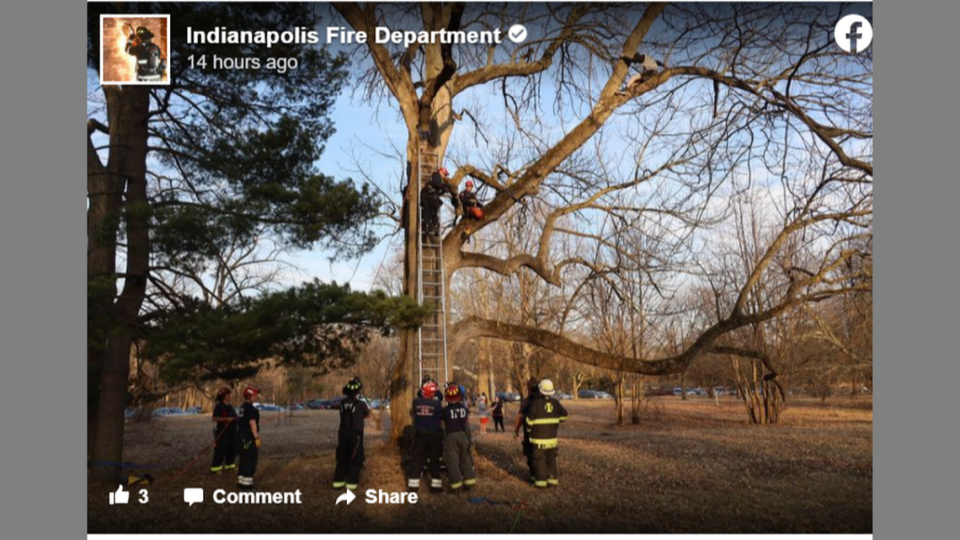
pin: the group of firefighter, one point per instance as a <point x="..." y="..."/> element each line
<point x="442" y="436"/>
<point x="465" y="203"/>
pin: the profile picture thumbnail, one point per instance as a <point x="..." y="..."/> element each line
<point x="134" y="49"/>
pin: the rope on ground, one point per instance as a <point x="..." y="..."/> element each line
<point x="515" y="521"/>
<point x="200" y="454"/>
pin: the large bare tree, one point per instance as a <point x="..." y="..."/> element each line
<point x="755" y="93"/>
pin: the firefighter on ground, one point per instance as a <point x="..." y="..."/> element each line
<point x="544" y="417"/>
<point x="353" y="411"/>
<point x="225" y="434"/>
<point x="249" y="439"/>
<point x="532" y="393"/>
<point x="430" y="200"/>
<point x="458" y="441"/>
<point x="428" y="440"/>
<point x="151" y="66"/>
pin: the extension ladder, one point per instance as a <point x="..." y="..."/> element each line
<point x="432" y="335"/>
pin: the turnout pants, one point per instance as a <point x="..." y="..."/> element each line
<point x="430" y="205"/>
<point x="426" y="447"/>
<point x="248" y="462"/>
<point x="545" y="466"/>
<point x="498" y="424"/>
<point x="456" y="454"/>
<point x="528" y="453"/>
<point x="349" y="461"/>
<point x="225" y="451"/>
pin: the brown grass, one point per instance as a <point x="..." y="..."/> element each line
<point x="696" y="468"/>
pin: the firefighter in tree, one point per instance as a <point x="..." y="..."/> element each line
<point x="353" y="411"/>
<point x="431" y="199"/>
<point x="543" y="418"/>
<point x="151" y="66"/>
<point x="470" y="207"/>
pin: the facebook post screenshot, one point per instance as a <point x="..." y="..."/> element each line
<point x="479" y="268"/>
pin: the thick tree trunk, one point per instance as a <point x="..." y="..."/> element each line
<point x="484" y="380"/>
<point x="127" y="111"/>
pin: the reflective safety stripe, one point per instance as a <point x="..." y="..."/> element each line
<point x="338" y="485"/>
<point x="436" y="482"/>
<point x="544" y="443"/>
<point x="231" y="466"/>
<point x="413" y="482"/>
<point x="541" y="421"/>
<point x="456" y="486"/>
<point x="540" y="483"/>
<point x="563" y="418"/>
<point x="245" y="480"/>
<point x="553" y="481"/>
<point x="470" y="481"/>
<point x="216" y="469"/>
<point x="351" y="486"/>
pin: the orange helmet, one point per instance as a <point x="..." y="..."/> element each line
<point x="250" y="391"/>
<point x="429" y="389"/>
<point x="469" y="183"/>
<point x="443" y="171"/>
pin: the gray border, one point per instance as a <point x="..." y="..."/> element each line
<point x="42" y="324"/>
<point x="916" y="475"/>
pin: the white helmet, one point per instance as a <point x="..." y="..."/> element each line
<point x="546" y="387"/>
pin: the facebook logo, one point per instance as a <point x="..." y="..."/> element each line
<point x="853" y="33"/>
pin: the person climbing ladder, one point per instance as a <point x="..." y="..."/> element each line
<point x="431" y="200"/>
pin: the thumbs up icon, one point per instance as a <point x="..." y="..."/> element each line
<point x="120" y="497"/>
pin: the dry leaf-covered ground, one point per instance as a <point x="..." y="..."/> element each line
<point x="692" y="467"/>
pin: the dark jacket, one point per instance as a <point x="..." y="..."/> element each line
<point x="543" y="418"/>
<point x="426" y="414"/>
<point x="352" y="412"/>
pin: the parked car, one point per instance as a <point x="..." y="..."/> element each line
<point x="562" y="396"/>
<point x="378" y="404"/>
<point x="603" y="395"/>
<point x="196" y="409"/>
<point x="330" y="404"/>
<point x="297" y="407"/>
<point x="698" y="391"/>
<point x="268" y="407"/>
<point x="129" y="412"/>
<point x="168" y="411"/>
<point x="508" y="397"/>
<point x="677" y="391"/>
<point x="315" y="404"/>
